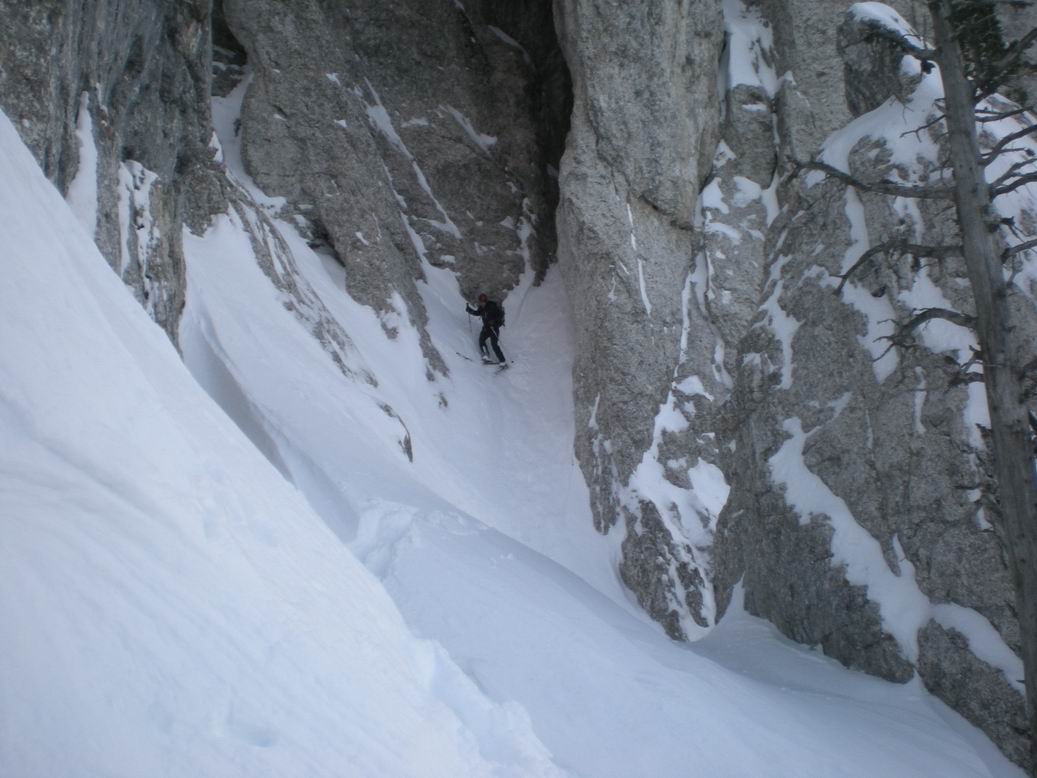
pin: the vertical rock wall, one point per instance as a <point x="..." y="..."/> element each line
<point x="644" y="127"/>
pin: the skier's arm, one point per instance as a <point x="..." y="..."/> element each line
<point x="469" y="311"/>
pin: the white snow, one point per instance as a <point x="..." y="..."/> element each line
<point x="878" y="313"/>
<point x="508" y="40"/>
<point x="693" y="385"/>
<point x="82" y="192"/>
<point x="919" y="404"/>
<point x="642" y="286"/>
<point x="633" y="237"/>
<point x="781" y="323"/>
<point x="174" y="606"/>
<point x="713" y="197"/>
<point x="171" y="605"/>
<point x="483" y="141"/>
<point x="749" y="48"/>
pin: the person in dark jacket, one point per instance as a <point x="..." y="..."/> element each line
<point x="492" y="320"/>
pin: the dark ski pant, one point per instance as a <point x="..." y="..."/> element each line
<point x="492" y="333"/>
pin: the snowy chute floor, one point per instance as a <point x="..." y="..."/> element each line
<point x="175" y="607"/>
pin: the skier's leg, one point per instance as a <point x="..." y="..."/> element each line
<point x="494" y="334"/>
<point x="483" y="335"/>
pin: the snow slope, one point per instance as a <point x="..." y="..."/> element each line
<point x="607" y="693"/>
<point x="172" y="606"/>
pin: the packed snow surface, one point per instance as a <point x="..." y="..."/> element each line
<point x="307" y="599"/>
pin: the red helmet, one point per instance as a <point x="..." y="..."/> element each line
<point x="483" y="298"/>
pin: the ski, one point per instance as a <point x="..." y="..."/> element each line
<point x="488" y="362"/>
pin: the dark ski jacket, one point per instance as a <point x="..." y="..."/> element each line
<point x="490" y="313"/>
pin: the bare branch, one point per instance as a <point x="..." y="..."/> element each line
<point x="1019" y="248"/>
<point x="901" y="42"/>
<point x="1015" y="52"/>
<point x="900" y="337"/>
<point x="917" y="132"/>
<point x="985" y="115"/>
<point x="899" y="247"/>
<point x="885" y="187"/>
<point x="989" y="157"/>
<point x="962" y="377"/>
<point x="929" y="314"/>
<point x="997" y="191"/>
<point x="1012" y="172"/>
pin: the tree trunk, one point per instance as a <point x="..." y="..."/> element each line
<point x="1001" y="343"/>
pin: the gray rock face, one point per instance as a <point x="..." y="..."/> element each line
<point x="894" y="456"/>
<point x="627" y="243"/>
<point x="812" y="95"/>
<point x="141" y="70"/>
<point x="398" y="163"/>
<point x="856" y="471"/>
<point x="979" y="693"/>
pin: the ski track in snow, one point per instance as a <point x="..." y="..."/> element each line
<point x="175" y="608"/>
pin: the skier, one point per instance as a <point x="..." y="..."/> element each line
<point x="492" y="316"/>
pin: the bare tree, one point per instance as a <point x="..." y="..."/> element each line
<point x="1000" y="339"/>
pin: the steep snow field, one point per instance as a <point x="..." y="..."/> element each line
<point x="174" y="606"/>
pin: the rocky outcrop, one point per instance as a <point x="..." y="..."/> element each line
<point x="627" y="244"/>
<point x="859" y="513"/>
<point x="811" y="95"/>
<point x="450" y="158"/>
<point x="436" y="160"/>
<point x="112" y="97"/>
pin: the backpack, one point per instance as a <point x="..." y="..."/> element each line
<point x="498" y="320"/>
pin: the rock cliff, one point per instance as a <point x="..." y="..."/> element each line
<point x="860" y="513"/>
<point x="645" y="123"/>
<point x="113" y="98"/>
<point x="744" y="422"/>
